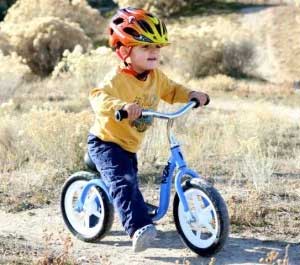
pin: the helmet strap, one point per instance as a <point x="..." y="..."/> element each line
<point x="140" y="76"/>
<point x="123" y="58"/>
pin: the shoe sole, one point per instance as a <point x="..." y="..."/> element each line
<point x="144" y="240"/>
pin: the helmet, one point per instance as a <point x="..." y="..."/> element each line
<point x="131" y="27"/>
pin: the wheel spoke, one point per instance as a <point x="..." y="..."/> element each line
<point x="207" y="209"/>
<point x="87" y="221"/>
<point x="97" y="214"/>
<point x="210" y="229"/>
<point x="196" y="203"/>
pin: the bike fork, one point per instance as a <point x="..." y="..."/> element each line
<point x="178" y="186"/>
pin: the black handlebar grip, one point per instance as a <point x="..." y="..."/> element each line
<point x="196" y="101"/>
<point x="121" y="114"/>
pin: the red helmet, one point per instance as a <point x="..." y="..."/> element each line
<point x="131" y="27"/>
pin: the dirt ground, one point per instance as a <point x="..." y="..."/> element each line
<point x="23" y="235"/>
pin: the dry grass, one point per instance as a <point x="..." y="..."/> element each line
<point x="88" y="69"/>
<point x="273" y="258"/>
<point x="13" y="73"/>
<point x="39" y="149"/>
<point x="41" y="41"/>
<point x="200" y="48"/>
<point x="278" y="52"/>
<point x="54" y="257"/>
<point x="281" y="38"/>
<point x="89" y="19"/>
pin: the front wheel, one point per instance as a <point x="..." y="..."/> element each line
<point x="209" y="231"/>
<point x="96" y="218"/>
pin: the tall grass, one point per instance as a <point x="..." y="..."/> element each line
<point x="243" y="143"/>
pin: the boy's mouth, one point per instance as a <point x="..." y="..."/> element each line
<point x="152" y="59"/>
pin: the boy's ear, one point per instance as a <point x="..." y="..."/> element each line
<point x="124" y="51"/>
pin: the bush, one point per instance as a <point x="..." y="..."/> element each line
<point x="239" y="58"/>
<point x="161" y="8"/>
<point x="77" y="11"/>
<point x="60" y="143"/>
<point x="195" y="56"/>
<point x="38" y="150"/>
<point x="5" y="46"/>
<point x="88" y="69"/>
<point x="13" y="72"/>
<point x="42" y="41"/>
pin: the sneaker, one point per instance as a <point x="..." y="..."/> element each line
<point x="143" y="237"/>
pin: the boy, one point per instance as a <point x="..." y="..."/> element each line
<point x="137" y="37"/>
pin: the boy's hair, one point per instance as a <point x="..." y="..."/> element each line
<point x="131" y="27"/>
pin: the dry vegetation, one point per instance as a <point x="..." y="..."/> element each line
<point x="161" y="8"/>
<point x="248" y="139"/>
<point x="42" y="41"/>
<point x="78" y="11"/>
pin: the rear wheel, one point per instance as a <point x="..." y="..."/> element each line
<point x="95" y="220"/>
<point x="207" y="235"/>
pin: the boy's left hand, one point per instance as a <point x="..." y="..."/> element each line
<point x="202" y="97"/>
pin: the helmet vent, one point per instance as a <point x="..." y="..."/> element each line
<point x="158" y="28"/>
<point x="131" y="32"/>
<point x="118" y="21"/>
<point x="164" y="28"/>
<point x="149" y="15"/>
<point x="145" y="26"/>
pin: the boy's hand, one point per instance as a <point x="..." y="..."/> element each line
<point x="134" y="111"/>
<point x="202" y="97"/>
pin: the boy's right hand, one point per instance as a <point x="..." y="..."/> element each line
<point x="134" y="111"/>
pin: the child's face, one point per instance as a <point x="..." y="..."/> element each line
<point x="144" y="58"/>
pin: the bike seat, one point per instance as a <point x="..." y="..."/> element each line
<point x="88" y="161"/>
<point x="152" y="209"/>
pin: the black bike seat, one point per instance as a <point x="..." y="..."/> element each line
<point x="88" y="161"/>
<point x="152" y="209"/>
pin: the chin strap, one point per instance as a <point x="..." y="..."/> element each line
<point x="141" y="76"/>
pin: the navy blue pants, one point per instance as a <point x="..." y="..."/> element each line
<point x="118" y="169"/>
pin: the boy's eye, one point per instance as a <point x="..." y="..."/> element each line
<point x="151" y="46"/>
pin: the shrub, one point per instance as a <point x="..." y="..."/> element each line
<point x="43" y="40"/>
<point x="38" y="150"/>
<point x="5" y="46"/>
<point x="161" y="8"/>
<point x="13" y="72"/>
<point x="239" y="58"/>
<point x="77" y="11"/>
<point x="59" y="143"/>
<point x="195" y="56"/>
<point x="88" y="69"/>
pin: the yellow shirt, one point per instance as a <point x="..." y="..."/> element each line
<point x="124" y="88"/>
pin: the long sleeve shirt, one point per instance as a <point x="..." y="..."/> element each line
<point x="122" y="89"/>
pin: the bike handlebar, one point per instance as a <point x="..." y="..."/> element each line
<point x="194" y="103"/>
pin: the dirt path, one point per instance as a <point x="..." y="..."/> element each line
<point x="23" y="232"/>
<point x="273" y="35"/>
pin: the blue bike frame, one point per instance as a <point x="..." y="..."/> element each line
<point x="176" y="161"/>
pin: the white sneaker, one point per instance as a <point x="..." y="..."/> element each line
<point x="143" y="237"/>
